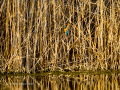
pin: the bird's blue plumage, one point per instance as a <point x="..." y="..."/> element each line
<point x="66" y="32"/>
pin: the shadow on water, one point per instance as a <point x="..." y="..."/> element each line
<point x="61" y="82"/>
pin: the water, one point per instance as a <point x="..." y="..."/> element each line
<point x="69" y="81"/>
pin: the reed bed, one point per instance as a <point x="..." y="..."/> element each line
<point x="32" y="37"/>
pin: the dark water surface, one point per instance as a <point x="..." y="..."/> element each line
<point x="84" y="81"/>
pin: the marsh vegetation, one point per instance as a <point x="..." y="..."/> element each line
<point x="32" y="37"/>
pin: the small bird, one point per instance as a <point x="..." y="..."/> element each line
<point x="65" y="30"/>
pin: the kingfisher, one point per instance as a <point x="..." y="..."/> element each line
<point x="65" y="30"/>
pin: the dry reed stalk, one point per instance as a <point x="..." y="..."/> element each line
<point x="101" y="33"/>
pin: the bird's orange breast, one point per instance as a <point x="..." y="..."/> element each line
<point x="65" y="30"/>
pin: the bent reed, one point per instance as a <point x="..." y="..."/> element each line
<point x="32" y="37"/>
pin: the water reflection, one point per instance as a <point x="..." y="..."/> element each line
<point x="61" y="82"/>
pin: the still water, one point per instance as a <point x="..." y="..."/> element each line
<point x="77" y="81"/>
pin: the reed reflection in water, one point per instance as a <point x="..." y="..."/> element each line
<point x="61" y="82"/>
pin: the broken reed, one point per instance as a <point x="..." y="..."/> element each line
<point x="32" y="36"/>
